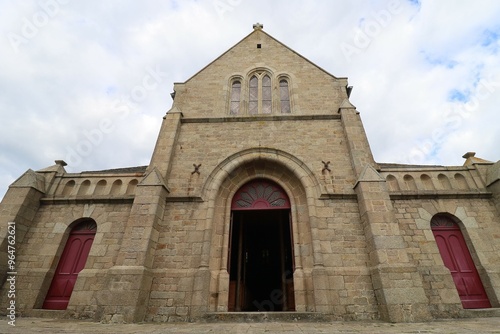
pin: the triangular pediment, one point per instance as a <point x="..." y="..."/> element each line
<point x="256" y="57"/>
<point x="250" y="43"/>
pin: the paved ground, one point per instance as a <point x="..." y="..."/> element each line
<point x="38" y="325"/>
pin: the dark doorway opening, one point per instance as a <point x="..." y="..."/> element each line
<point x="261" y="261"/>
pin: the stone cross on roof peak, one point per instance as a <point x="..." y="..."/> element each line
<point x="258" y="26"/>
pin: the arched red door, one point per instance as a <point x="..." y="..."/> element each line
<point x="261" y="249"/>
<point x="72" y="261"/>
<point x="457" y="259"/>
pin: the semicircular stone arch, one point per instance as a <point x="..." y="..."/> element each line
<point x="393" y="183"/>
<point x="277" y="157"/>
<point x="224" y="184"/>
<point x="68" y="188"/>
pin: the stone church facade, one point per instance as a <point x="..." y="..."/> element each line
<point x="262" y="194"/>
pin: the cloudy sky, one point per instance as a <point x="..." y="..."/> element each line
<point x="89" y="81"/>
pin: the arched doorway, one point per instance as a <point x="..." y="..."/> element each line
<point x="261" y="249"/>
<point x="72" y="261"/>
<point x="457" y="259"/>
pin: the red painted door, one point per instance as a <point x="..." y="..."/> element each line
<point x="71" y="263"/>
<point x="457" y="259"/>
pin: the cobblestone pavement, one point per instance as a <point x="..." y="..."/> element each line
<point x="38" y="325"/>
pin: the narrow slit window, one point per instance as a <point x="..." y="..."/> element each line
<point x="235" y="97"/>
<point x="266" y="95"/>
<point x="284" y="97"/>
<point x="253" y="99"/>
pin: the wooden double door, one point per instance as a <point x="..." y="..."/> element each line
<point x="72" y="261"/>
<point x="458" y="260"/>
<point x="261" y="262"/>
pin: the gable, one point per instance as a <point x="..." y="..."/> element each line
<point x="312" y="90"/>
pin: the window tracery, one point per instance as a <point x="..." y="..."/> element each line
<point x="266" y="95"/>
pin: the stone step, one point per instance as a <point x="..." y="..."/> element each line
<point x="481" y="313"/>
<point x="265" y="316"/>
<point x="49" y="314"/>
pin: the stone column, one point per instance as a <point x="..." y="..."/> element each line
<point x="129" y="281"/>
<point x="357" y="142"/>
<point x="493" y="183"/>
<point x="17" y="212"/>
<point x="396" y="281"/>
<point x="165" y="145"/>
<point x="20" y="205"/>
<point x="321" y="295"/>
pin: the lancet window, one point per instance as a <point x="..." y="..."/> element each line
<point x="265" y="95"/>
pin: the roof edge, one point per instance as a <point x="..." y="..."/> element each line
<point x="268" y="35"/>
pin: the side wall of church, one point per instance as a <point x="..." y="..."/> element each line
<point x="480" y="226"/>
<point x="37" y="257"/>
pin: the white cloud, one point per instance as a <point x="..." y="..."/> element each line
<point x="68" y="74"/>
